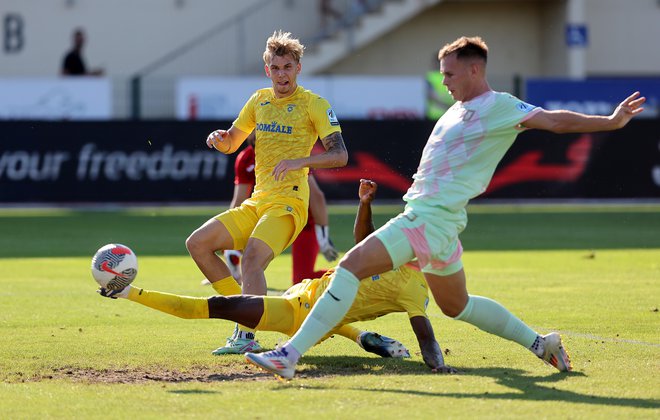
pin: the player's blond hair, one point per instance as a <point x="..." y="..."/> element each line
<point x="281" y="43"/>
<point x="466" y="47"/>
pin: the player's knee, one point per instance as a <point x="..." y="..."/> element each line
<point x="256" y="258"/>
<point x="362" y="264"/>
<point x="452" y="309"/>
<point x="193" y="244"/>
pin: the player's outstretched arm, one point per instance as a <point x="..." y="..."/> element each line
<point x="226" y="141"/>
<point x="563" y="121"/>
<point x="430" y="348"/>
<point x="364" y="224"/>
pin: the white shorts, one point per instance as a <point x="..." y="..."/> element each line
<point x="429" y="235"/>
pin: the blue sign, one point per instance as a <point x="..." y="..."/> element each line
<point x="577" y="35"/>
<point x="593" y="96"/>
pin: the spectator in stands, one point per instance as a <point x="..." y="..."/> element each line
<point x="329" y="15"/>
<point x="73" y="63"/>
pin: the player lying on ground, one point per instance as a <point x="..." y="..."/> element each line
<point x="400" y="290"/>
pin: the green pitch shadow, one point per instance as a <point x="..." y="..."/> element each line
<point x="529" y="388"/>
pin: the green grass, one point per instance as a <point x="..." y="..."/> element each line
<point x="590" y="272"/>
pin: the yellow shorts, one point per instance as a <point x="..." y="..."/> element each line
<point x="276" y="223"/>
<point x="286" y="313"/>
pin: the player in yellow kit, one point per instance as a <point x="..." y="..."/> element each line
<point x="400" y="290"/>
<point x="287" y="120"/>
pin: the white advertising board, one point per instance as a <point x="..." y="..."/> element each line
<point x="351" y="97"/>
<point x="56" y="98"/>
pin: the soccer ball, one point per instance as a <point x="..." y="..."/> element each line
<point x="114" y="266"/>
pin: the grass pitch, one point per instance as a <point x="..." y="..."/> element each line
<point x="592" y="273"/>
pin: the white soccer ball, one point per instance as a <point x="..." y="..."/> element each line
<point x="114" y="266"/>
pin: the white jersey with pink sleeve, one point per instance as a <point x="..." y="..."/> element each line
<point x="463" y="150"/>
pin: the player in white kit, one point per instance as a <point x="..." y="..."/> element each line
<point x="457" y="164"/>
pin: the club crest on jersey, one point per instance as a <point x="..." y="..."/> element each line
<point x="290" y="107"/>
<point x="274" y="127"/>
<point x="332" y="117"/>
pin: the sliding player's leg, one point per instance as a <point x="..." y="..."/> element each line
<point x="238" y="308"/>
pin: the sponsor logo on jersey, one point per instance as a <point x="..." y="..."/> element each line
<point x="274" y="127"/>
<point x="376" y="277"/>
<point x="468" y="114"/>
<point x="524" y="107"/>
<point x="332" y="117"/>
<point x="264" y="103"/>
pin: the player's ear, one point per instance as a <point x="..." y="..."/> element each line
<point x="298" y="68"/>
<point x="474" y="68"/>
<point x="267" y="70"/>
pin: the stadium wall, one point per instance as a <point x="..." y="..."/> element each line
<point x="165" y="162"/>
<point x="124" y="36"/>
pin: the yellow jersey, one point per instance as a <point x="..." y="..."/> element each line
<point x="285" y="128"/>
<point x="400" y="290"/>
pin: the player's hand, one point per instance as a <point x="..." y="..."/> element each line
<point x="367" y="191"/>
<point x="445" y="369"/>
<point x="219" y="139"/>
<point x="326" y="246"/>
<point x="432" y="355"/>
<point x="281" y="169"/>
<point x="627" y="109"/>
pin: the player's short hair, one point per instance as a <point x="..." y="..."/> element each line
<point x="466" y="47"/>
<point x="281" y="43"/>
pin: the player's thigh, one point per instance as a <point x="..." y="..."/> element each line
<point x="239" y="223"/>
<point x="279" y="315"/>
<point x="449" y="291"/>
<point x="301" y="300"/>
<point x="386" y="248"/>
<point x="275" y="230"/>
<point x="367" y="258"/>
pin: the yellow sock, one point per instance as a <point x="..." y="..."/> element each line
<point x="182" y="306"/>
<point x="227" y="286"/>
<point x="349" y="332"/>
